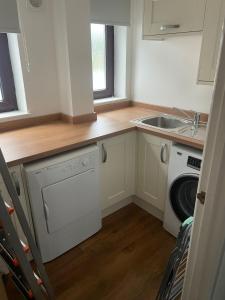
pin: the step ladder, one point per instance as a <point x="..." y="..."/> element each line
<point x="30" y="278"/>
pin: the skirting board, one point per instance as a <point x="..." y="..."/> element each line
<point x="139" y="202"/>
<point x="79" y="119"/>
<point x="148" y="207"/>
<point x="110" y="210"/>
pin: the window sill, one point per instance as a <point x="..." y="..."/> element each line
<point x="110" y="100"/>
<point x="13" y="115"/>
<point x="110" y="104"/>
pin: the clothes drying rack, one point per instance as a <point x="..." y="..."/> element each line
<point x="172" y="283"/>
<point x="30" y="279"/>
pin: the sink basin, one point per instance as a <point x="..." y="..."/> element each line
<point x="163" y="122"/>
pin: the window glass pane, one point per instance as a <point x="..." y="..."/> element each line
<point x="98" y="41"/>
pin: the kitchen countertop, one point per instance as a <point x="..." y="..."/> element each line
<point x="32" y="143"/>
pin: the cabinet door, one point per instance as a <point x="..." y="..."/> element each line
<point x="212" y="33"/>
<point x="166" y="17"/>
<point x="117" y="170"/>
<point x="153" y="157"/>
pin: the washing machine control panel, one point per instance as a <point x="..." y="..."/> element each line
<point x="194" y="163"/>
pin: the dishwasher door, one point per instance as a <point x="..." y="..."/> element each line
<point x="69" y="200"/>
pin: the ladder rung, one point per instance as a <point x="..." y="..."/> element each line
<point x="27" y="293"/>
<point x="9" y="208"/>
<point x="15" y="262"/>
<point x="6" y="248"/>
<point x="7" y="256"/>
<point x="39" y="280"/>
<point x="30" y="294"/>
<point x="26" y="248"/>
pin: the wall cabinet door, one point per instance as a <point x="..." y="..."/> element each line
<point x="117" y="168"/>
<point x="169" y="17"/>
<point x="214" y="17"/>
<point x="153" y="158"/>
<point x="17" y="177"/>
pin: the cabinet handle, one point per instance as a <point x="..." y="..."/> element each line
<point x="104" y="154"/>
<point x="172" y="26"/>
<point x="16" y="183"/>
<point x="163" y="149"/>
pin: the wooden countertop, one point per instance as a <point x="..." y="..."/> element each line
<point x="29" y="144"/>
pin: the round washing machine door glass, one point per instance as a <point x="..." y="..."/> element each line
<point x="183" y="195"/>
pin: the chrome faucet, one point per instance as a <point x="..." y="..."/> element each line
<point x="195" y="120"/>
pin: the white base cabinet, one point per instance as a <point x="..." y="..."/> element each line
<point x="117" y="168"/>
<point x="130" y="163"/>
<point x="153" y="158"/>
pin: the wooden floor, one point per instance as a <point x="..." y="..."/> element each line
<point x="124" y="261"/>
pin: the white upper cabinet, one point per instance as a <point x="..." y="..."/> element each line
<point x="9" y="21"/>
<point x="215" y="12"/>
<point x="163" y="18"/>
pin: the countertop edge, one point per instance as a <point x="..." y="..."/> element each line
<point x="69" y="147"/>
<point x="198" y="144"/>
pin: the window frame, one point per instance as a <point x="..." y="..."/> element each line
<point x="109" y="91"/>
<point x="7" y="84"/>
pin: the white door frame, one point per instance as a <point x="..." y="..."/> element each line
<point x="206" y="257"/>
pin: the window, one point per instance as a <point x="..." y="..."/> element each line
<point x="7" y="88"/>
<point x="102" y="39"/>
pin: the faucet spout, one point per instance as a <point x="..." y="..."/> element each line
<point x="196" y="122"/>
<point x="193" y="116"/>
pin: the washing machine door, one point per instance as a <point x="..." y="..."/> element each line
<point x="183" y="195"/>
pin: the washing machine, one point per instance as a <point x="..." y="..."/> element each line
<point x="183" y="177"/>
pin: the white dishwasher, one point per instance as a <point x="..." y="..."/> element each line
<point x="64" y="198"/>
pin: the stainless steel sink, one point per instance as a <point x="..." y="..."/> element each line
<point x="164" y="122"/>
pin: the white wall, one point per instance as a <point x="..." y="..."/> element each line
<point x="37" y="50"/>
<point x="79" y="50"/>
<point x="120" y="61"/>
<point x="61" y="43"/>
<point x="73" y="46"/>
<point x="17" y="71"/>
<point x="165" y="72"/>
